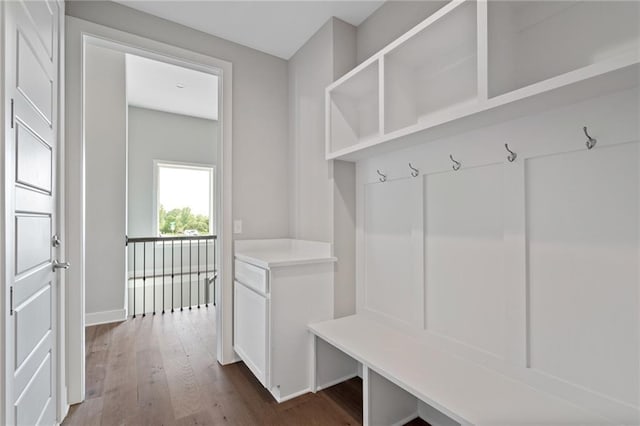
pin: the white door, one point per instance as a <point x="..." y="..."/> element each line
<point x="31" y="129"/>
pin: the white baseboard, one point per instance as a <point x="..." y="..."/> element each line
<point x="233" y="360"/>
<point x="105" y="317"/>
<point x="280" y="400"/>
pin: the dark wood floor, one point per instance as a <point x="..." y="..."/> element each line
<point x="162" y="370"/>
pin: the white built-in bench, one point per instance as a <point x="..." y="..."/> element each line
<point x="405" y="377"/>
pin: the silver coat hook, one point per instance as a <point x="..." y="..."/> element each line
<point x="456" y="164"/>
<point x="383" y="177"/>
<point x="414" y="172"/>
<point x="512" y="155"/>
<point x="591" y="142"/>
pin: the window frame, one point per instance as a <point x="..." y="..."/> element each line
<point x="211" y="168"/>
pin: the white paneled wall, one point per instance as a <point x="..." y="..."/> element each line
<point x="393" y="250"/>
<point x="464" y="261"/>
<point x="529" y="267"/>
<point x="583" y="252"/>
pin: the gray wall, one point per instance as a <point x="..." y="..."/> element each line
<point x="157" y="135"/>
<point x="260" y="114"/>
<point x="322" y="193"/>
<point x="310" y="71"/>
<point x="282" y="186"/>
<point x="389" y="22"/>
<point x="105" y="124"/>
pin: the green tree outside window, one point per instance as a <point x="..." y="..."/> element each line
<point x="176" y="221"/>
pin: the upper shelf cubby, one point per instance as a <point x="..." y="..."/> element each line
<point x="433" y="70"/>
<point x="354" y="108"/>
<point x="476" y="63"/>
<point x="532" y="41"/>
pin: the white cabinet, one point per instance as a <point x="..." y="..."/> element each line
<point x="472" y="64"/>
<point x="251" y="329"/>
<point x="280" y="287"/>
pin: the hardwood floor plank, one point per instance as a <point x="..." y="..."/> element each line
<point x="120" y="387"/>
<point x="226" y="405"/>
<point x="97" y="341"/>
<point x="347" y="397"/>
<point x="153" y="386"/>
<point x="183" y="386"/>
<point x="202" y="418"/>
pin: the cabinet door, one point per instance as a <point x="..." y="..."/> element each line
<point x="250" y="329"/>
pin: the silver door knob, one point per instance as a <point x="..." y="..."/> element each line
<point x="60" y="265"/>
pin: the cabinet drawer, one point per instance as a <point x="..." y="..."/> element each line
<point x="251" y="276"/>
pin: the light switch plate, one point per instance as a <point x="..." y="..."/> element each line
<point x="237" y="227"/>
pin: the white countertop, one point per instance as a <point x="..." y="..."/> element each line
<point x="282" y="252"/>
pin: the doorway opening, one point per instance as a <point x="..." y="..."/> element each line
<point x="173" y="136"/>
<point x="153" y="169"/>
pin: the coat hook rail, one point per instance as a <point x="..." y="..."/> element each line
<point x="456" y="164"/>
<point x="383" y="177"/>
<point x="591" y="142"/>
<point x="414" y="172"/>
<point x="512" y="155"/>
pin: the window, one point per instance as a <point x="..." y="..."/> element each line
<point x="184" y="199"/>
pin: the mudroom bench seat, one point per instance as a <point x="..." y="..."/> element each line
<point x="405" y="377"/>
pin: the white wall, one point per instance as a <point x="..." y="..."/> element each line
<point x="260" y="114"/>
<point x="158" y="135"/>
<point x="322" y="192"/>
<point x="389" y="22"/>
<point x="105" y="135"/>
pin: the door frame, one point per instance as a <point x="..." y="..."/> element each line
<point x="78" y="31"/>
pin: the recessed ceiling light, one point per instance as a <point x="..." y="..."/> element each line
<point x="180" y="86"/>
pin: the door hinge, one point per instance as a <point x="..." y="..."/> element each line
<point x="10" y="300"/>
<point x="12" y="113"/>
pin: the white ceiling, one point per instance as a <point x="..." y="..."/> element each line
<point x="276" y="27"/>
<point x="154" y="85"/>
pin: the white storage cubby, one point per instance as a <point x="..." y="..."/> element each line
<point x="353" y="108"/>
<point x="531" y="41"/>
<point x="473" y="64"/>
<point x="434" y="70"/>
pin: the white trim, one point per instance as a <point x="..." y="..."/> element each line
<point x="77" y="32"/>
<point x="234" y="359"/>
<point x="292" y="396"/>
<point x="105" y="317"/>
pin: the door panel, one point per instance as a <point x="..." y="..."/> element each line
<point x="32" y="364"/>
<point x="34" y="160"/>
<point x="31" y="404"/>
<point x="43" y="19"/>
<point x="34" y="82"/>
<point x="31" y="284"/>
<point x="31" y="85"/>
<point x="32" y="323"/>
<point x="33" y="236"/>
